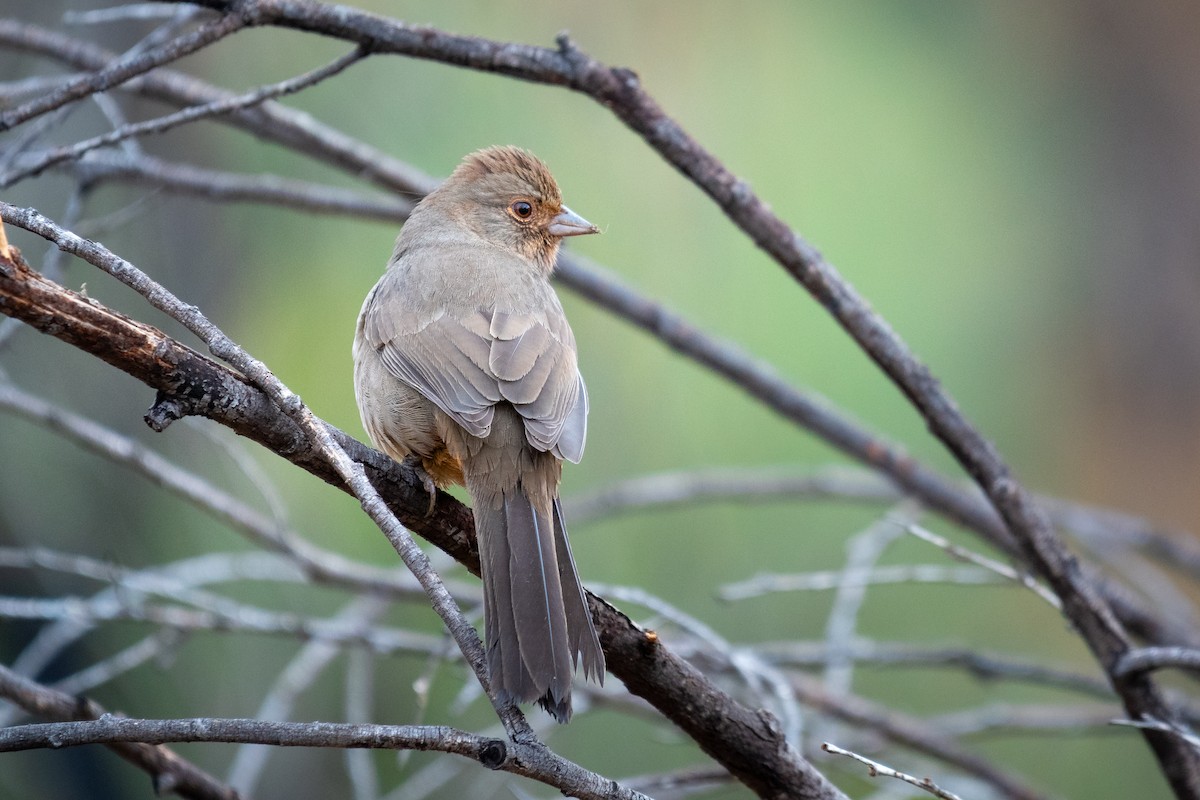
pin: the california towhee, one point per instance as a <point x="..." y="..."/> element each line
<point x="464" y="363"/>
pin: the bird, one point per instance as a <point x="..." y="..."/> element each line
<point x="466" y="367"/>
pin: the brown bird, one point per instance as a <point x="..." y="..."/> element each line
<point x="464" y="363"/>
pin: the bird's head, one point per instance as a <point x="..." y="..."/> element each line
<point x="509" y="197"/>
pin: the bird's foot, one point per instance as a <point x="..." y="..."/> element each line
<point x="414" y="462"/>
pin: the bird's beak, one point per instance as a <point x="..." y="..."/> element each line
<point x="568" y="223"/>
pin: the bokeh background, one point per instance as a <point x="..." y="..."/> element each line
<point x="1015" y="186"/>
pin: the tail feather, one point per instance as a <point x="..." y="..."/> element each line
<point x="537" y="598"/>
<point x="538" y="626"/>
<point x="499" y="622"/>
<point x="581" y="631"/>
<point x="536" y="617"/>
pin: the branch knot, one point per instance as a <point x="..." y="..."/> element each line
<point x="493" y="753"/>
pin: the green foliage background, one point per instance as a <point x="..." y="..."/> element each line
<point x="940" y="154"/>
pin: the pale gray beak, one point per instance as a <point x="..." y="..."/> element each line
<point x="568" y="223"/>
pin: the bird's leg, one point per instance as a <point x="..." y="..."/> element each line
<point x="415" y="463"/>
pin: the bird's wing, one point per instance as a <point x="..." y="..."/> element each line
<point x="447" y="363"/>
<point x="466" y="363"/>
<point x="532" y="356"/>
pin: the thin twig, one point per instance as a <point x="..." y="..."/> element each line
<point x="1158" y="725"/>
<point x="11" y="91"/>
<point x="359" y="683"/>
<point x="862" y="552"/>
<point x="1137" y="570"/>
<point x="979" y="664"/>
<point x="1003" y="570"/>
<point x="679" y="783"/>
<point x="913" y="734"/>
<point x="751" y="669"/>
<point x="135" y="63"/>
<point x="1042" y="718"/>
<point x="875" y="769"/>
<point x="109" y="729"/>
<point x="121" y="13"/>
<point x="231" y="617"/>
<point x="166" y="123"/>
<point x="155" y="646"/>
<point x="771" y="583"/>
<point x="1177" y="549"/>
<point x="688" y="487"/>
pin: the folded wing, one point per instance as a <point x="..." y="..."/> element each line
<point x="467" y="364"/>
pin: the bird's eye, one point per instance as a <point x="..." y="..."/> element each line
<point x="521" y="209"/>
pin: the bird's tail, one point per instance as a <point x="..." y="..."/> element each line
<point x="538" y="626"/>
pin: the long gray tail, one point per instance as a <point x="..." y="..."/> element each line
<point x="536" y="616"/>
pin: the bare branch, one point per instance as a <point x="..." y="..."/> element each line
<point x="226" y="616"/>
<point x="770" y="583"/>
<point x="680" y="783"/>
<point x="166" y="123"/>
<point x="670" y="489"/>
<point x="749" y="667"/>
<point x="1152" y="658"/>
<point x="1173" y="548"/>
<point x="983" y="665"/>
<point x="220" y="186"/>
<point x="531" y="760"/>
<point x="874" y="769"/>
<point x="170" y="772"/>
<point x="1046" y="718"/>
<point x="121" y="13"/>
<point x="133" y="64"/>
<point x="862" y="552"/>
<point x="990" y="564"/>
<point x="1158" y="725"/>
<point x="152" y="647"/>
<point x="912" y="733"/>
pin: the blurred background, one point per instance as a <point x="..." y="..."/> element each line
<point x="1014" y="186"/>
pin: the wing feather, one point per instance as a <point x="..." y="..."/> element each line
<point x="466" y="364"/>
<point x="512" y="359"/>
